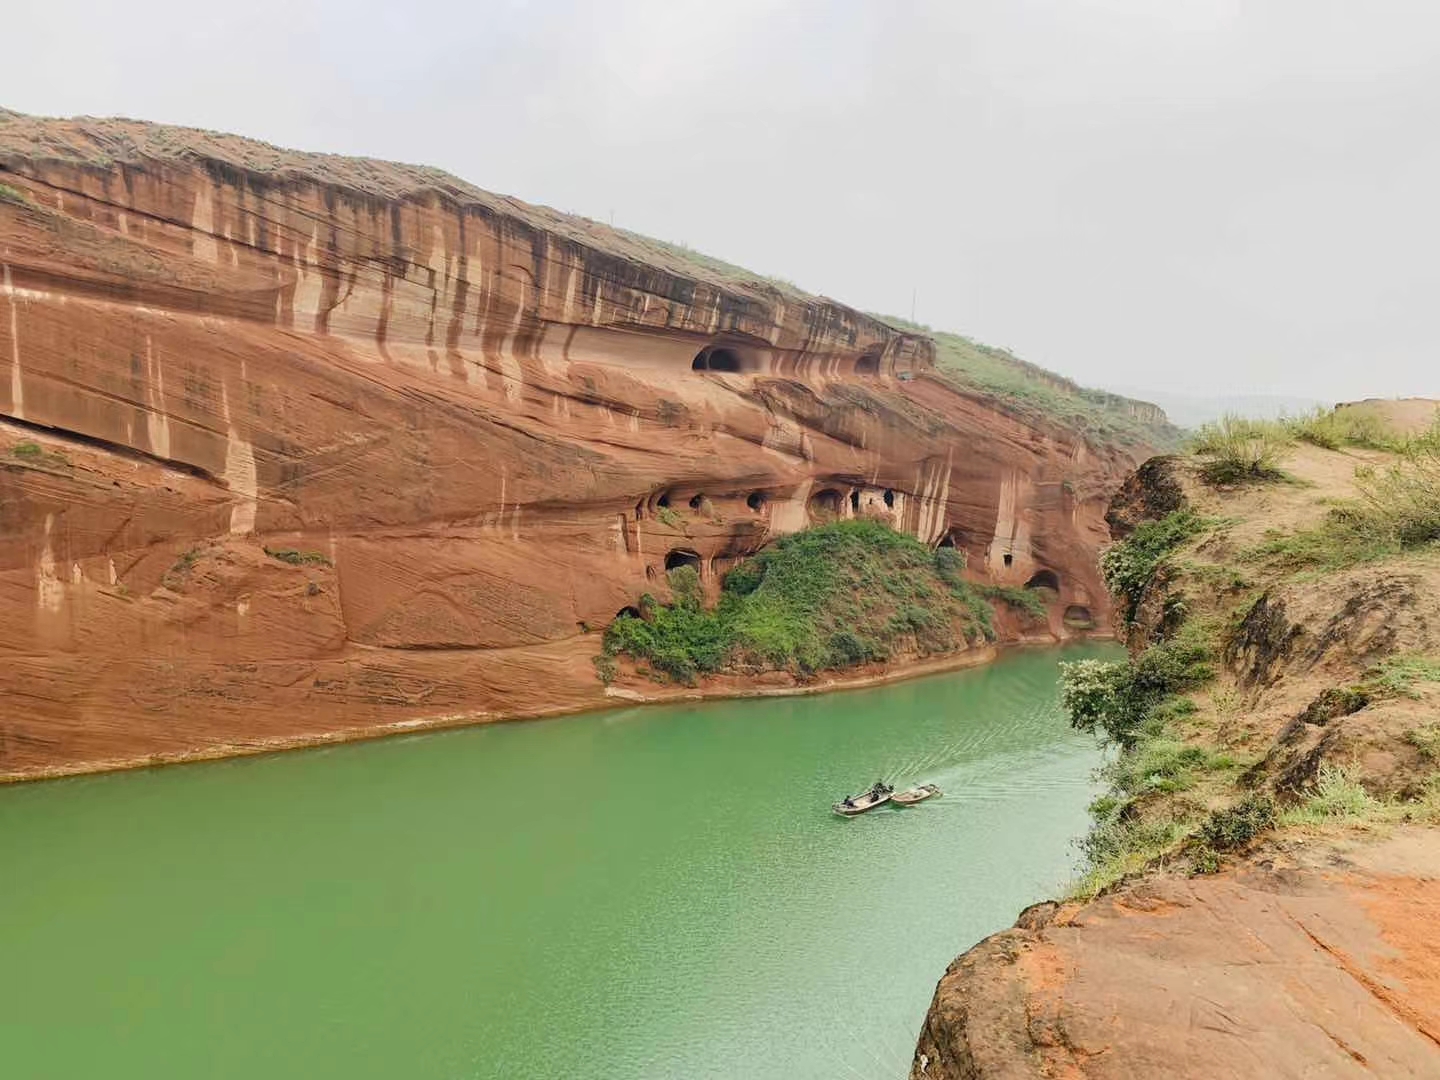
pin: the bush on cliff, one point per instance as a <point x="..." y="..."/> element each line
<point x="1117" y="698"/>
<point x="1241" y="451"/>
<point x="1130" y="565"/>
<point x="831" y="597"/>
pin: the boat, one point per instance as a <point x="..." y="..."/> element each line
<point x="852" y="805"/>
<point x="918" y="793"/>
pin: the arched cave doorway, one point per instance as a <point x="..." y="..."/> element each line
<point x="1078" y="617"/>
<point x="663" y="501"/>
<point x="855" y="500"/>
<point x="697" y="500"/>
<point x="627" y="612"/>
<point x="1008" y="559"/>
<point x="869" y="364"/>
<point x="889" y="497"/>
<point x="825" y="504"/>
<point x="1044" y="579"/>
<point x="755" y="501"/>
<point x="682" y="557"/>
<point x="715" y="358"/>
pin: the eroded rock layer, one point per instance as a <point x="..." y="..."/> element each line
<point x="298" y="445"/>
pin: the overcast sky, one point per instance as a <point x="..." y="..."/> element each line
<point x="1201" y="196"/>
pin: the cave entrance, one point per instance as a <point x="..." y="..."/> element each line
<point x="1008" y="559"/>
<point x="869" y="364"/>
<point x="627" y="612"/>
<point x="1044" y="579"/>
<point x="855" y="500"/>
<point x="755" y="501"/>
<point x="682" y="557"/>
<point x="1078" y="617"/>
<point x="697" y="501"/>
<point x="826" y="504"/>
<point x="715" y="358"/>
<point x="889" y="497"/>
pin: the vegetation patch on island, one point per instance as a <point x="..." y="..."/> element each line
<point x="831" y="597"/>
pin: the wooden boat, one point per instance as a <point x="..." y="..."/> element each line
<point x="918" y="793"/>
<point x="852" y="805"/>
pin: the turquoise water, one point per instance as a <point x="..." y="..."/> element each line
<point x="646" y="893"/>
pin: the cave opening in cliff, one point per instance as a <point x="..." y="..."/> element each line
<point x="697" y="501"/>
<point x="682" y="557"/>
<point x="715" y="359"/>
<point x="663" y="501"/>
<point x="1078" y="616"/>
<point x="626" y="612"/>
<point x="869" y="364"/>
<point x="826" y="504"/>
<point x="889" y="497"/>
<point x="1009" y="559"/>
<point x="855" y="500"/>
<point x="755" y="501"/>
<point x="1044" y="579"/>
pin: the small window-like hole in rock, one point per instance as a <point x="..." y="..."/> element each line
<point x="680" y="557"/>
<point x="889" y="497"/>
<point x="696" y="501"/>
<point x="1044" y="579"/>
<point x="663" y="500"/>
<point x="755" y="500"/>
<point x="855" y="499"/>
<point x="948" y="540"/>
<point x="1079" y="617"/>
<point x="868" y="364"/>
<point x="627" y="612"/>
<point x="1009" y="559"/>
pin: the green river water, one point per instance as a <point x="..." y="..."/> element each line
<point x="646" y="893"/>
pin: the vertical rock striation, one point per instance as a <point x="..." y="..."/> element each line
<point x="472" y="429"/>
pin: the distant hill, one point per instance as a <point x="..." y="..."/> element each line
<point x="1190" y="411"/>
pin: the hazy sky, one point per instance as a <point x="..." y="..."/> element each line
<point x="1206" y="196"/>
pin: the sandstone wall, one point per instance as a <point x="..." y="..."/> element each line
<point x="480" y="421"/>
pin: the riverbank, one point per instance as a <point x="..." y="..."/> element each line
<point x="715" y="688"/>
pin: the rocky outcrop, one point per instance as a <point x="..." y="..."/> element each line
<point x="1284" y="970"/>
<point x="299" y="447"/>
<point x="1262" y="913"/>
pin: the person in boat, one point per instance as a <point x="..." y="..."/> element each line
<point x="849" y="803"/>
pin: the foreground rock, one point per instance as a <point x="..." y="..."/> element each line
<point x="300" y="447"/>
<point x="1295" y="966"/>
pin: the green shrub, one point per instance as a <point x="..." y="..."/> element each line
<point x="13" y="195"/>
<point x="1027" y="602"/>
<point x="1129" y="566"/>
<point x="669" y="517"/>
<point x="1235" y="826"/>
<point x="1337" y="795"/>
<point x="1118" y="697"/>
<point x="299" y="558"/>
<point x="1425" y="739"/>
<point x="1241" y="451"/>
<point x="1402" y="503"/>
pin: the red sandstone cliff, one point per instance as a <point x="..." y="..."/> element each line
<point x="460" y="412"/>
